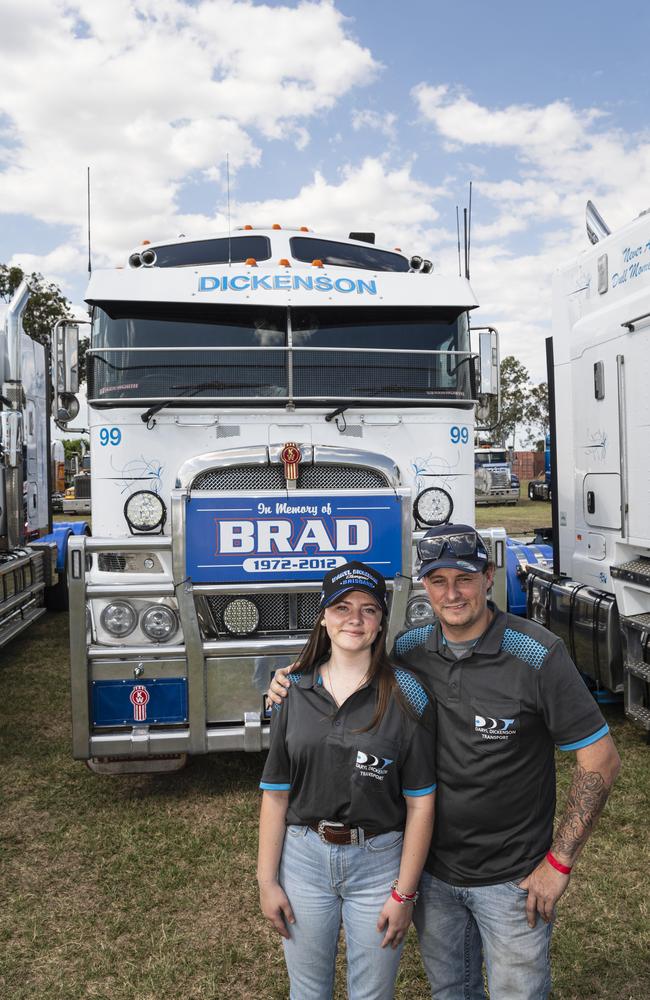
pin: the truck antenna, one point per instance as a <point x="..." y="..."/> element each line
<point x="90" y="266"/>
<point x="465" y="242"/>
<point x="458" y="235"/>
<point x="469" y="228"/>
<point x="228" y="189"/>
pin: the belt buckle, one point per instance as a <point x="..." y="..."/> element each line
<point x="321" y="828"/>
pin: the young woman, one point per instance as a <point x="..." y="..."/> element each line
<point x="348" y="798"/>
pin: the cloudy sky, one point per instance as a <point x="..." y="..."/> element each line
<point x="339" y="114"/>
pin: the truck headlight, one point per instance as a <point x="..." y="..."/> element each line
<point x="419" y="611"/>
<point x="159" y="623"/>
<point x="144" y="511"/>
<point x="119" y="618"/>
<point x="241" y="616"/>
<point x="433" y="506"/>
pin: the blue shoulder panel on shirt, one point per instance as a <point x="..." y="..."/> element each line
<point x="412" y="691"/>
<point x="413" y="638"/>
<point x="294" y="678"/>
<point x="524" y="647"/>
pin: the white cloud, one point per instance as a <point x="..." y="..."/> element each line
<point x="368" y="196"/>
<point x="153" y="93"/>
<point x="385" y="123"/>
<point x="562" y="156"/>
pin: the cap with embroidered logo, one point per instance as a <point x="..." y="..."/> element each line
<point x="353" y="576"/>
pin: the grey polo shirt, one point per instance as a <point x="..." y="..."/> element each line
<point x="332" y="771"/>
<point x="501" y="709"/>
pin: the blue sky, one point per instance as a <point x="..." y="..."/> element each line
<point x="338" y="115"/>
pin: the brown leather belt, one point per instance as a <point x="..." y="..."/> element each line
<point x="339" y="833"/>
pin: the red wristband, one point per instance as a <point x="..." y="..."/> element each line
<point x="402" y="899"/>
<point x="559" y="867"/>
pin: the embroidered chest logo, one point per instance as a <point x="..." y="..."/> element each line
<point x="490" y="728"/>
<point x="371" y="766"/>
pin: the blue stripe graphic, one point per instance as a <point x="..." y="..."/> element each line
<point x="586" y="742"/>
<point x="415" y="792"/>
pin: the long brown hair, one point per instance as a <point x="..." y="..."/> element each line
<point x="318" y="646"/>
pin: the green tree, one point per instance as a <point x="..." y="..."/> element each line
<point x="537" y="415"/>
<point x="515" y="384"/>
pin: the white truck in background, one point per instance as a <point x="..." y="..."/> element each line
<point x="263" y="406"/>
<point x="597" y="597"/>
<point x="32" y="554"/>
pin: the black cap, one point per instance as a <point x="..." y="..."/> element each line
<point x="353" y="576"/>
<point x="452" y="546"/>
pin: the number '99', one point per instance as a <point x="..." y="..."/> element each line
<point x="110" y="435"/>
<point x="459" y="435"/>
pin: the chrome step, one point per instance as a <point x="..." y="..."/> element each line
<point x="639" y="715"/>
<point x="634" y="571"/>
<point x="640" y="670"/>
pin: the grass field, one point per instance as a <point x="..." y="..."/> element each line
<point x="144" y="888"/>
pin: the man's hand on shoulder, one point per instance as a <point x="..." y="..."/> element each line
<point x="544" y="886"/>
<point x="280" y="684"/>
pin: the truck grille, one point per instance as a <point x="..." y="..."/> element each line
<point x="279" y="613"/>
<point x="271" y="477"/>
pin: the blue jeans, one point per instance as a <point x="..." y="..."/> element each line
<point x="459" y="925"/>
<point x="326" y="883"/>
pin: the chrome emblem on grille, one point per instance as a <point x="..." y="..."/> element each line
<point x="290" y="457"/>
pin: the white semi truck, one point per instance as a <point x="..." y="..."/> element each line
<point x="598" y="595"/>
<point x="32" y="556"/>
<point x="494" y="478"/>
<point x="263" y="406"/>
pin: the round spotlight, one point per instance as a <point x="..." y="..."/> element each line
<point x="159" y="623"/>
<point x="241" y="617"/>
<point x="119" y="618"/>
<point x="148" y="258"/>
<point x="433" y="506"/>
<point x="144" y="511"/>
<point x="135" y="260"/>
<point x="419" y="612"/>
<point x="427" y="267"/>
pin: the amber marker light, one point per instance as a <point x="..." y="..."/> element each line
<point x="251" y="262"/>
<point x="316" y="263"/>
<point x="276" y="226"/>
<point x="145" y="243"/>
<point x="247" y="227"/>
<point x="283" y="262"/>
<point x="304" y="229"/>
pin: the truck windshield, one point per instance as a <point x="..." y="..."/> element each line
<point x="490" y="457"/>
<point x="237" y="354"/>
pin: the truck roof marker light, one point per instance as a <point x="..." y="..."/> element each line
<point x="276" y="225"/>
<point x="317" y="263"/>
<point x="283" y="262"/>
<point x="250" y="262"/>
<point x="145" y="243"/>
<point x="247" y="227"/>
<point x="304" y="229"/>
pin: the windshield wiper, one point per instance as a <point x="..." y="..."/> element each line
<point x="189" y="391"/>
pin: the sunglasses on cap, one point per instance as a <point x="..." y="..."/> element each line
<point x="461" y="545"/>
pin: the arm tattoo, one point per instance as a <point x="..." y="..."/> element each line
<point x="585" y="802"/>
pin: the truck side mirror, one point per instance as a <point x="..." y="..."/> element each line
<point x="66" y="357"/>
<point x="489" y="399"/>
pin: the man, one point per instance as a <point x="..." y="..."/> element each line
<point x="507" y="693"/>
